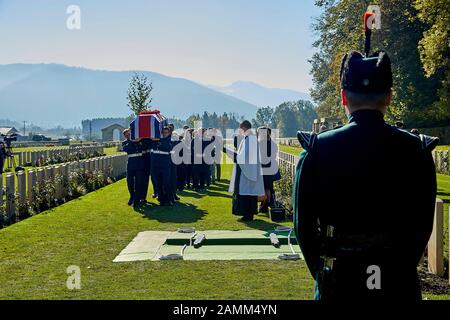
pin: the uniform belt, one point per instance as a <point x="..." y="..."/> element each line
<point x="146" y="151"/>
<point x="134" y="155"/>
<point x="161" y="152"/>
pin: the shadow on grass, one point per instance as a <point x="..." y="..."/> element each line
<point x="218" y="189"/>
<point x="178" y="213"/>
<point x="261" y="224"/>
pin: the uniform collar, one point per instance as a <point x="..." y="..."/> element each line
<point x="366" y="116"/>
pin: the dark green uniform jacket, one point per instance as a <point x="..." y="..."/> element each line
<point x="376" y="185"/>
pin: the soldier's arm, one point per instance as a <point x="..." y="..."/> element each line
<point x="423" y="203"/>
<point x="305" y="213"/>
<point x="126" y="146"/>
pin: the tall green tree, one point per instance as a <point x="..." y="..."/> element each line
<point x="264" y="117"/>
<point x="339" y="29"/>
<point x="138" y="95"/>
<point x="434" y="49"/>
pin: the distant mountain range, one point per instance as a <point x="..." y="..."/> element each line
<point x="59" y="94"/>
<point x="53" y="94"/>
<point x="261" y="96"/>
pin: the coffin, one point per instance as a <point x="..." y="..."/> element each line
<point x="148" y="124"/>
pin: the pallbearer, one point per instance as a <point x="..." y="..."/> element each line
<point x="161" y="166"/>
<point x="135" y="167"/>
<point x="174" y="140"/>
<point x="147" y="145"/>
<point x="146" y="128"/>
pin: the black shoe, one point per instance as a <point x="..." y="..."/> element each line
<point x="136" y="205"/>
<point x="130" y="202"/>
<point x="246" y="219"/>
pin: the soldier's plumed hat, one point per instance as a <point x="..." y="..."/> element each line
<point x="366" y="75"/>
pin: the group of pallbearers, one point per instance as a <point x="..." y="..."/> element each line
<point x="192" y="160"/>
<point x="172" y="162"/>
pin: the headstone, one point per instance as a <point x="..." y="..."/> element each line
<point x="31" y="183"/>
<point x="10" y="201"/>
<point x="1" y="190"/>
<point x="436" y="242"/>
<point x="21" y="187"/>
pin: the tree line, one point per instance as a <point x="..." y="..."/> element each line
<point x="414" y="33"/>
<point x="288" y="117"/>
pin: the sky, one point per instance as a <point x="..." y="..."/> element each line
<point x="213" y="42"/>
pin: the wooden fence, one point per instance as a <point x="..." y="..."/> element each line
<point x="435" y="248"/>
<point x="17" y="191"/>
<point x="40" y="157"/>
<point x="441" y="157"/>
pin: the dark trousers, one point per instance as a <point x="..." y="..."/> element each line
<point x="181" y="176"/>
<point x="188" y="174"/>
<point x="161" y="177"/>
<point x="173" y="181"/>
<point x="146" y="175"/>
<point x="134" y="182"/>
<point x="199" y="172"/>
<point x="218" y="171"/>
<point x="208" y="174"/>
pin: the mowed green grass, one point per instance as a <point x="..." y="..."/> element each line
<point x="90" y="231"/>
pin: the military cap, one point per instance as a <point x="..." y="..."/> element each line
<point x="366" y="75"/>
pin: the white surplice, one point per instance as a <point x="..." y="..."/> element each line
<point x="248" y="158"/>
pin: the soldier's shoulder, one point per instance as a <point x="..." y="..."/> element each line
<point x="308" y="139"/>
<point x="421" y="141"/>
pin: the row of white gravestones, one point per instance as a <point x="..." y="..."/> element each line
<point x="40" y="156"/>
<point x="113" y="166"/>
<point x="442" y="161"/>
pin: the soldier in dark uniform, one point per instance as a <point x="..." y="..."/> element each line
<point x="174" y="140"/>
<point x="2" y="156"/>
<point x="161" y="166"/>
<point x="199" y="167"/>
<point x="364" y="194"/>
<point x="135" y="167"/>
<point x="147" y="145"/>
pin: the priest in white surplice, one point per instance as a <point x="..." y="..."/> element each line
<point x="246" y="182"/>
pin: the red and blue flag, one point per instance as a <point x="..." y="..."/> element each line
<point x="148" y="124"/>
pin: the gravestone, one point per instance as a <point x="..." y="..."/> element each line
<point x="436" y="242"/>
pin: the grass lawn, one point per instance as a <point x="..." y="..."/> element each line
<point x="92" y="230"/>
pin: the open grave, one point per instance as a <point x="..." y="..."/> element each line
<point x="188" y="244"/>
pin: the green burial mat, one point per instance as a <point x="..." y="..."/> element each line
<point x="219" y="245"/>
<point x="225" y="237"/>
<point x="227" y="252"/>
<point x="144" y="246"/>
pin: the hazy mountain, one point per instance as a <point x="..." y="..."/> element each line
<point x="52" y="94"/>
<point x="261" y="96"/>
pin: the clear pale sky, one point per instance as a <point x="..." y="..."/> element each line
<point x="209" y="41"/>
